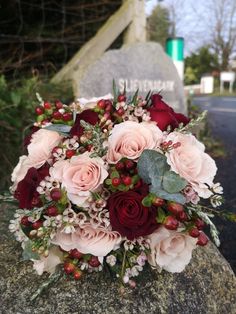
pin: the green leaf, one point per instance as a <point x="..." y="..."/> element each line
<point x="135" y="179"/>
<point x="160" y="215"/>
<point x="173" y="183"/>
<point x="115" y="174"/>
<point x="15" y="97"/>
<point x="174" y="197"/>
<point x="135" y="97"/>
<point x="108" y="181"/>
<point x="147" y="201"/>
<point x="115" y="93"/>
<point x="62" y="129"/>
<point x="28" y="254"/>
<point x="123" y="188"/>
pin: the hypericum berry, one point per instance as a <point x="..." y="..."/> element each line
<point x="101" y="104"/>
<point x="47" y="105"/>
<point x="116" y="181"/>
<point x="202" y="239"/>
<point x="157" y="201"/>
<point x="94" y="262"/>
<point x="67" y="116"/>
<point x="69" y="268"/>
<point x="57" y="115"/>
<point x="55" y="194"/>
<point x="127" y="180"/>
<point x="75" y="254"/>
<point x="120" y="165"/>
<point x="121" y="98"/>
<point x="182" y="216"/>
<point x="175" y="208"/>
<point x="108" y="106"/>
<point x="52" y="211"/>
<point x="199" y="223"/>
<point x="70" y="153"/>
<point x="77" y="274"/>
<point x="171" y="223"/>
<point x="58" y="104"/>
<point x="25" y="221"/>
<point x="194" y="232"/>
<point x="129" y="164"/>
<point x="120" y="111"/>
<point x="39" y="110"/>
<point x="37" y="224"/>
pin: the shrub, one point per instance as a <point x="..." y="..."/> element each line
<point x="17" y="102"/>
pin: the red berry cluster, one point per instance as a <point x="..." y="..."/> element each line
<point x="174" y="214"/>
<point x="107" y="109"/>
<point x="56" y="113"/>
<point x="74" y="258"/>
<point x="123" y="176"/>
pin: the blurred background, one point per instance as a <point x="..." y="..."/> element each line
<point x="39" y="37"/>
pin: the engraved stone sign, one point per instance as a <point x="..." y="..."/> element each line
<point x="142" y="66"/>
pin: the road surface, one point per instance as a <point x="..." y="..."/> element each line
<point x="222" y="120"/>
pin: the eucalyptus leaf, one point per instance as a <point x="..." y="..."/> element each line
<point x="28" y="254"/>
<point x="62" y="129"/>
<point x="153" y="168"/>
<point x="172" y="182"/>
<point x="174" y="197"/>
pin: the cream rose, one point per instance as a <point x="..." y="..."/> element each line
<point x="48" y="264"/>
<point x="92" y="102"/>
<point x="79" y="176"/>
<point x="170" y="250"/>
<point x="129" y="139"/>
<point x="191" y="162"/>
<point x="20" y="171"/>
<point x="98" y="242"/>
<point x="41" y="145"/>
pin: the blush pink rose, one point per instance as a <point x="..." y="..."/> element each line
<point x="41" y="145"/>
<point x="129" y="139"/>
<point x="48" y="264"/>
<point x="170" y="250"/>
<point x="191" y="162"/>
<point x="98" y="242"/>
<point x="80" y="175"/>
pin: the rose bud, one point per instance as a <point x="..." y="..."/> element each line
<point x="199" y="223"/>
<point x="94" y="262"/>
<point x="171" y="223"/>
<point x="175" y="208"/>
<point x="202" y="239"/>
<point x="157" y="201"/>
<point x="194" y="232"/>
<point x="55" y="194"/>
<point x="75" y="254"/>
<point x="182" y="216"/>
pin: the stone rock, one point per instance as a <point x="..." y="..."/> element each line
<point x="208" y="285"/>
<point x="143" y="66"/>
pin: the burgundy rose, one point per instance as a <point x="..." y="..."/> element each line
<point x="26" y="192"/>
<point x="129" y="217"/>
<point x="164" y="115"/>
<point x="88" y="116"/>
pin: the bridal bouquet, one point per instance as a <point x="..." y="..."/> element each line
<point x="114" y="183"/>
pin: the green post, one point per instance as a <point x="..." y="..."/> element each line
<point x="175" y="50"/>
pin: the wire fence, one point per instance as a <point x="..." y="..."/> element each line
<point x="40" y="36"/>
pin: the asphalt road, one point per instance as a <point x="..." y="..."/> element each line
<point x="222" y="121"/>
